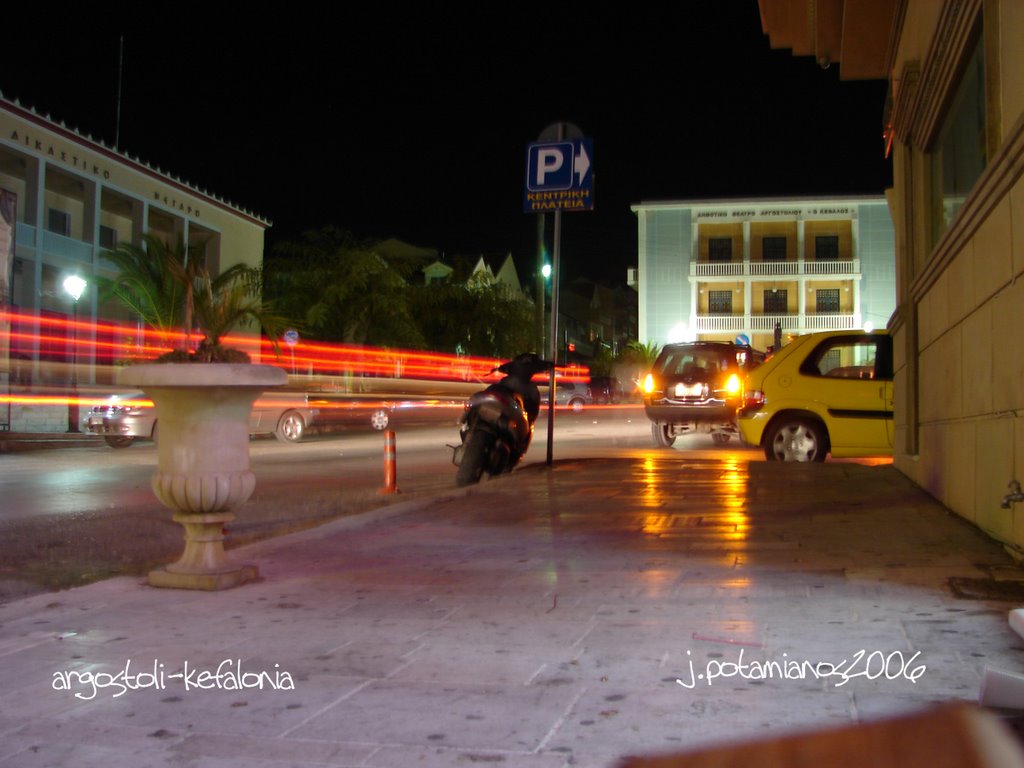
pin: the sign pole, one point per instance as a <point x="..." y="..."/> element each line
<point x="558" y="176"/>
<point x="556" y="253"/>
<point x="553" y="342"/>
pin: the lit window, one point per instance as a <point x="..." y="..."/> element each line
<point x="776" y="301"/>
<point x="720" y="302"/>
<point x="826" y="300"/>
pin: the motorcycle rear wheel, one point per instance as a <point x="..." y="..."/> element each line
<point x="474" y="456"/>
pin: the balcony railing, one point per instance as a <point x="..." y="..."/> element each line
<point x="721" y="323"/>
<point x="811" y="322"/>
<point x="767" y="322"/>
<point x="828" y="322"/>
<point x="68" y="247"/>
<point x="773" y="268"/>
<point x="717" y="268"/>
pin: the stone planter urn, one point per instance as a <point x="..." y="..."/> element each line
<point x="203" y="459"/>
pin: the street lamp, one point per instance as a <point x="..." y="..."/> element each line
<point x="75" y="286"/>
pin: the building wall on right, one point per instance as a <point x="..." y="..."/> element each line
<point x="957" y="138"/>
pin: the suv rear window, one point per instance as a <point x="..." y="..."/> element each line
<point x="681" y="361"/>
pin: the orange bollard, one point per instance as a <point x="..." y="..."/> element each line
<point x="390" y="470"/>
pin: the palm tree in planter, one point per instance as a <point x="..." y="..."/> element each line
<point x="171" y="289"/>
<point x="203" y="400"/>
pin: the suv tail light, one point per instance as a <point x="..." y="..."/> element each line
<point x="648" y="384"/>
<point x="733" y="385"/>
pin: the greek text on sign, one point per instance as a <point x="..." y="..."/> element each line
<point x="559" y="177"/>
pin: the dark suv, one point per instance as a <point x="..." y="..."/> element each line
<point x="696" y="387"/>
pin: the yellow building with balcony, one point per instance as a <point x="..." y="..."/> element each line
<point x="720" y="270"/>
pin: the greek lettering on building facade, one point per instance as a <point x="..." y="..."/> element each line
<point x="80" y="163"/>
<point x="765" y="213"/>
<point x="176" y="205"/>
<point x="791" y="214"/>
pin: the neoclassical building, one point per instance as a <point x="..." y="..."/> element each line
<point x="721" y="269"/>
<point x="64" y="199"/>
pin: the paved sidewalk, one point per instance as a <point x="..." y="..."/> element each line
<point x="552" y="618"/>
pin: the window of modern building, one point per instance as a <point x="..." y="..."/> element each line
<point x="776" y="301"/>
<point x="773" y="248"/>
<point x="958" y="156"/>
<point x="826" y="248"/>
<point x="826" y="300"/>
<point x="108" y="237"/>
<point x="59" y="222"/>
<point x="720" y="249"/>
<point x="720" y="302"/>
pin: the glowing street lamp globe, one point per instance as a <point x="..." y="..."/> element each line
<point x="75" y="286"/>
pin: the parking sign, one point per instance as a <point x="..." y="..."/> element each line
<point x="559" y="176"/>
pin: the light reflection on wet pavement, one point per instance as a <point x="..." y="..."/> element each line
<point x="559" y="616"/>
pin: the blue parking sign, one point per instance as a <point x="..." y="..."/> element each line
<point x="559" y="176"/>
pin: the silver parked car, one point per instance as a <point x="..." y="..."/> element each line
<point x="125" y="418"/>
<point x="574" y="394"/>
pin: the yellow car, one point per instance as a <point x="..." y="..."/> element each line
<point x="825" y="393"/>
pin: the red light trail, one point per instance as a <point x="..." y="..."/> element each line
<point x="57" y="341"/>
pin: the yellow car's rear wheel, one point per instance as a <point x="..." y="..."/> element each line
<point x="796" y="439"/>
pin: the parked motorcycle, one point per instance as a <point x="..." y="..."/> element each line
<point x="497" y="425"/>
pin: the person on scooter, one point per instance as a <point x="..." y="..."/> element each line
<point x="519" y="373"/>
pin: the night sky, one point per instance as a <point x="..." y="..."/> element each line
<point x="414" y="124"/>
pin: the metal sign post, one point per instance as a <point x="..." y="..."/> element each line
<point x="558" y="178"/>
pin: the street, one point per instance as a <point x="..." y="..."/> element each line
<point x="77" y="481"/>
<point x="74" y="515"/>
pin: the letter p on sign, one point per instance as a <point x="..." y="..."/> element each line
<point x="549" y="166"/>
<point x="549" y="160"/>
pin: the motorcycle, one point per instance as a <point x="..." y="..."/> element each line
<point x="497" y="425"/>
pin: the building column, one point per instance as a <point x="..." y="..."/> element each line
<point x="694" y="308"/>
<point x="802" y="304"/>
<point x="140" y="220"/>
<point x="35" y="187"/>
<point x="858" y="321"/>
<point x="747" y="321"/>
<point x="747" y="298"/>
<point x="37" y="198"/>
<point x="91" y="216"/>
<point x="642" y="283"/>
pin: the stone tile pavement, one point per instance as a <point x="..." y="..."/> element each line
<point x="556" y="617"/>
